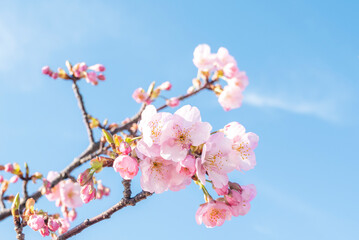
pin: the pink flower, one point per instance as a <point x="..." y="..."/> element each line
<point x="53" y="224"/>
<point x="140" y="95"/>
<point x="216" y="159"/>
<point x="213" y="213"/>
<point x="46" y="70"/>
<point x="1" y="179"/>
<point x="243" y="145"/>
<point x="187" y="166"/>
<point x="44" y="231"/>
<point x="14" y="179"/>
<point x="8" y="167"/>
<point x="98" y="68"/>
<point x="240" y="201"/>
<point x="173" y="102"/>
<point x="91" y="77"/>
<point x="223" y="58"/>
<point x="127" y="166"/>
<point x="36" y="222"/>
<point x="203" y="59"/>
<point x="181" y="132"/>
<point x="64" y="225"/>
<point x="55" y="191"/>
<point x="230" y="97"/>
<point x="88" y="192"/>
<point x="101" y="190"/>
<point x="156" y="174"/>
<point x="222" y="191"/>
<point x="70" y="194"/>
<point x="151" y="125"/>
<point x="165" y="86"/>
<point x="230" y="70"/>
<point x="240" y="80"/>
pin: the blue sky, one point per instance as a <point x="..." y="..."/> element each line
<point x="302" y="59"/>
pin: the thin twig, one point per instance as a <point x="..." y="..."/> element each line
<point x="18" y="225"/>
<point x="2" y="204"/>
<point x="83" y="111"/>
<point x="105" y="215"/>
<point x="24" y="183"/>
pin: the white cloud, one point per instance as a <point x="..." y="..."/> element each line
<point x="325" y="109"/>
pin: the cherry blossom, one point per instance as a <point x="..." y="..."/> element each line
<point x="230" y="97"/>
<point x="36" y="222"/>
<point x="127" y="166"/>
<point x="213" y="213"/>
<point x="70" y="193"/>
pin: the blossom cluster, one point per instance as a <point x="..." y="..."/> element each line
<point x="80" y="70"/>
<point x="221" y="65"/>
<point x="42" y="222"/>
<point x="175" y="149"/>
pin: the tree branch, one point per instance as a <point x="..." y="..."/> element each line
<point x="81" y="104"/>
<point x="105" y="215"/>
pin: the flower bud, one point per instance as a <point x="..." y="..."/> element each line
<point x="125" y="148"/>
<point x="15" y="205"/>
<point x="1" y="179"/>
<point x="36" y="222"/>
<point x="44" y="231"/>
<point x="8" y="167"/>
<point x="101" y="77"/>
<point x="173" y="102"/>
<point x="97" y="68"/>
<point x="14" y="179"/>
<point x="82" y="67"/>
<point x="53" y="224"/>
<point x="84" y="177"/>
<point x="54" y="75"/>
<point x="46" y="70"/>
<point x="30" y="203"/>
<point x="72" y="215"/>
<point x="165" y="86"/>
<point x="88" y="192"/>
<point x="108" y="136"/>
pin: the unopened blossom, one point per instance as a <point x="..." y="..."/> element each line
<point x="84" y="177"/>
<point x="53" y="224"/>
<point x="173" y="102"/>
<point x="72" y="215"/>
<point x="243" y="145"/>
<point x="46" y="70"/>
<point x="101" y="190"/>
<point x="140" y="95"/>
<point x="184" y="130"/>
<point x="55" y="191"/>
<point x="88" y="192"/>
<point x="44" y="231"/>
<point x="97" y="68"/>
<point x="82" y="67"/>
<point x="239" y="201"/>
<point x="1" y="178"/>
<point x="165" y="86"/>
<point x="125" y="148"/>
<point x="127" y="166"/>
<point x="70" y="194"/>
<point x="14" y="179"/>
<point x="231" y="97"/>
<point x="8" y="167"/>
<point x="101" y="77"/>
<point x="54" y="75"/>
<point x="222" y="191"/>
<point x="91" y="77"/>
<point x="213" y="214"/>
<point x="64" y="225"/>
<point x="203" y="59"/>
<point x="216" y="159"/>
<point x="36" y="222"/>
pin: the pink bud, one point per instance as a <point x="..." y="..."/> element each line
<point x="36" y="222"/>
<point x="190" y="90"/>
<point x="14" y="179"/>
<point x="82" y="67"/>
<point x="1" y="179"/>
<point x="173" y="102"/>
<point x="58" y="203"/>
<point x="127" y="166"/>
<point x="84" y="177"/>
<point x="64" y="225"/>
<point x="125" y="148"/>
<point x="101" y="77"/>
<point x="46" y="70"/>
<point x="88" y="192"/>
<point x="98" y="68"/>
<point x="165" y="86"/>
<point x="53" y="224"/>
<point x="222" y="191"/>
<point x="9" y="167"/>
<point x="44" y="231"/>
<point x="72" y="215"/>
<point x="91" y="77"/>
<point x="77" y="73"/>
<point x="54" y="75"/>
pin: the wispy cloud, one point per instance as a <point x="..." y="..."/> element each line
<point x="325" y="109"/>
